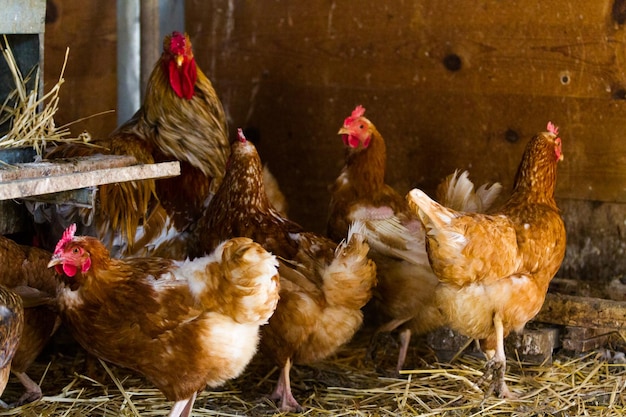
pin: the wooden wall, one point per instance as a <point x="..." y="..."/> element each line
<point x="449" y="84"/>
<point x="88" y="29"/>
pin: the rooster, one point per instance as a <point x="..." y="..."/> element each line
<point x="181" y="119"/>
<point x="494" y="270"/>
<point x="24" y="270"/>
<point x="183" y="325"/>
<point x="323" y="285"/>
<point x="406" y="282"/>
<point x="11" y="325"/>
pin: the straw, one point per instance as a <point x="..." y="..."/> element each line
<point x="31" y="118"/>
<point x="346" y="385"/>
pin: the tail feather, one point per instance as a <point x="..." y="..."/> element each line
<point x="349" y="278"/>
<point x="239" y="279"/>
<point x="488" y="194"/>
<point x="390" y="238"/>
<point x="457" y="192"/>
<point x="433" y="215"/>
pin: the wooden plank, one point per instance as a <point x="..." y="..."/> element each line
<point x="577" y="311"/>
<point x="45" y="185"/>
<point x="64" y="166"/>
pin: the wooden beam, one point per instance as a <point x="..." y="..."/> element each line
<point x="45" y="185"/>
<point x="569" y="310"/>
<point x="64" y="166"/>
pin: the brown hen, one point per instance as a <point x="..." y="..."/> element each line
<point x="11" y="325"/>
<point x="360" y="191"/>
<point x="494" y="270"/>
<point x="323" y="285"/>
<point x="24" y="270"/>
<point x="183" y="325"/>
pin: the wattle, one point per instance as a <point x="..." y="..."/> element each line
<point x="183" y="79"/>
<point x="353" y="141"/>
<point x="70" y="270"/>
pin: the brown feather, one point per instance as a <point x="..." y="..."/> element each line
<point x="11" y="325"/>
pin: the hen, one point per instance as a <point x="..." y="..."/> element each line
<point x="323" y="285"/>
<point x="11" y="325"/>
<point x="181" y="119"/>
<point x="360" y="191"/>
<point x="495" y="269"/>
<point x="183" y="325"/>
<point x="405" y="294"/>
<point x="406" y="282"/>
<point x="24" y="270"/>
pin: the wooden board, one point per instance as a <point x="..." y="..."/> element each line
<point x="64" y="166"/>
<point x="577" y="311"/>
<point x="447" y="83"/>
<point x="55" y="178"/>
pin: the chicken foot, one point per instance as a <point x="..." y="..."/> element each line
<point x="283" y="394"/>
<point x="33" y="390"/>
<point x="496" y="364"/>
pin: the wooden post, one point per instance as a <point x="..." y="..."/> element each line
<point x="150" y="40"/>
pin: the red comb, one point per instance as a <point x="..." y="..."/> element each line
<point x="553" y="129"/>
<point x="242" y="137"/>
<point x="68" y="235"/>
<point x="356" y="113"/>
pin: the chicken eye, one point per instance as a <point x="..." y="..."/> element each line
<point x="361" y="126"/>
<point x="75" y="250"/>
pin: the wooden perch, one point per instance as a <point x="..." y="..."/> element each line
<point x="569" y="310"/>
<point x="47" y="177"/>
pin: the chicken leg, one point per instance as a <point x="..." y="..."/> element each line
<point x="496" y="364"/>
<point x="283" y="394"/>
<point x="405" y="339"/>
<point x="183" y="408"/>
<point x="33" y="390"/>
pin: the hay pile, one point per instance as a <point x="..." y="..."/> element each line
<point x="31" y="118"/>
<point x="344" y="385"/>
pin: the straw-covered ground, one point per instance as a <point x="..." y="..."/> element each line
<point x="343" y="385"/>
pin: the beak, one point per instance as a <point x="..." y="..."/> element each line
<point x="55" y="260"/>
<point x="343" y="131"/>
<point x="179" y="60"/>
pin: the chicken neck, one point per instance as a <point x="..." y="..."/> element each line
<point x="366" y="167"/>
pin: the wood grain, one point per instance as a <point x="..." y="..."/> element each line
<point x="445" y="82"/>
<point x="88" y="29"/>
<point x="576" y="311"/>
